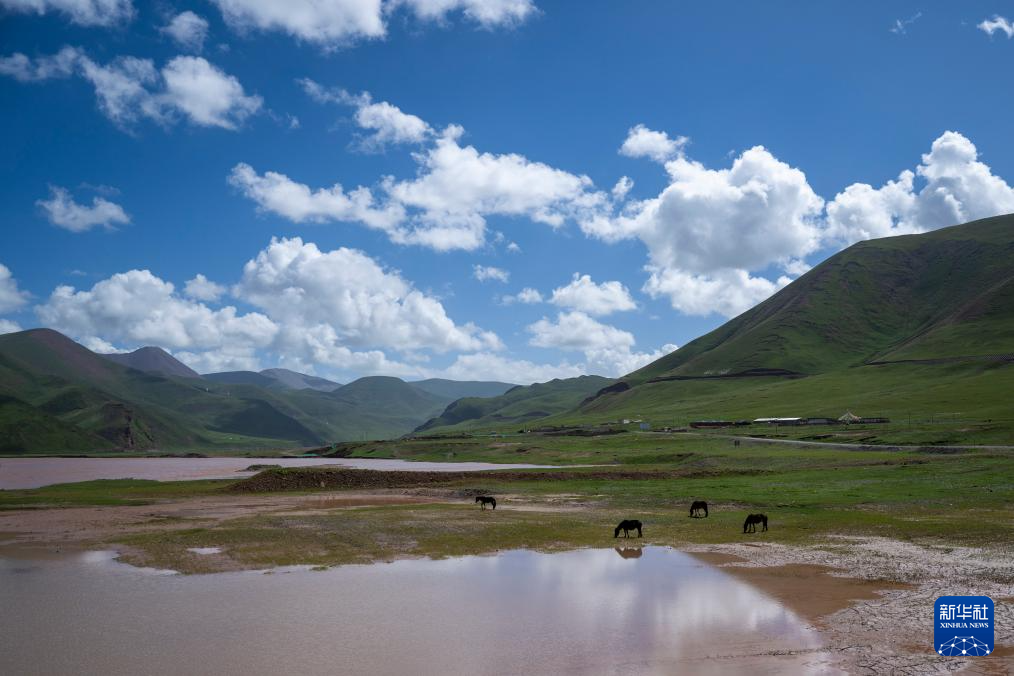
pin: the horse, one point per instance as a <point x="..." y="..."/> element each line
<point x="483" y="500"/>
<point x="626" y="526"/>
<point x="697" y="506"/>
<point x="750" y="525"/>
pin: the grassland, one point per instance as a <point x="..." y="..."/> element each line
<point x="956" y="499"/>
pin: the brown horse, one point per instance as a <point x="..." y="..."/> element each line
<point x="626" y="526"/>
<point x="483" y="500"/>
<point x="750" y="525"/>
<point x="697" y="506"/>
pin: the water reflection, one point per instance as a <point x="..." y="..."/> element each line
<point x="519" y="612"/>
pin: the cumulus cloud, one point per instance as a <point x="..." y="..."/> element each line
<point x="129" y="89"/>
<point x="188" y="30"/>
<point x="594" y="299"/>
<point x="344" y="295"/>
<point x="138" y="308"/>
<point x="62" y="211"/>
<point x="997" y="24"/>
<point x="332" y="24"/>
<point x="607" y="349"/>
<point x="489" y="366"/>
<point x="386" y="123"/>
<point x="656" y="145"/>
<point x="955" y="187"/>
<point x="277" y="193"/>
<point x="8" y="326"/>
<point x="60" y="65"/>
<point x="80" y="12"/>
<point x="487" y="13"/>
<point x="487" y="272"/>
<point x="11" y="297"/>
<point x="203" y="289"/>
<point x="527" y="296"/>
<point x="445" y="206"/>
<point x="710" y="227"/>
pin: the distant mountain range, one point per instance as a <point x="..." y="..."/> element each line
<point x="56" y="396"/>
<point x="917" y="325"/>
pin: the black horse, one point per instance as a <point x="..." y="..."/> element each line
<point x="750" y="525"/>
<point x="697" y="506"/>
<point x="483" y="500"/>
<point x="626" y="526"/>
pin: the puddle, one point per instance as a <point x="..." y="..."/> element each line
<point x="630" y="610"/>
<point x="204" y="551"/>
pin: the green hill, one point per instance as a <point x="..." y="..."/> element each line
<point x="519" y="405"/>
<point x="154" y="360"/>
<point x="946" y="293"/>
<point x="917" y="327"/>
<point x="57" y="396"/>
<point x="458" y="389"/>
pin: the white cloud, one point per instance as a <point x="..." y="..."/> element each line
<point x="622" y="187"/>
<point x="594" y="299"/>
<point x="513" y="247"/>
<point x="188" y="30"/>
<point x="129" y="89"/>
<point x="487" y="13"/>
<point x="96" y="344"/>
<point x="956" y="187"/>
<point x="344" y="295"/>
<point x="203" y="289"/>
<point x="727" y="291"/>
<point x="527" y="296"/>
<point x="64" y="212"/>
<point x="25" y="69"/>
<point x="710" y="227"/>
<point x="656" y="145"/>
<point x="488" y="366"/>
<point x="328" y="23"/>
<point x="138" y="308"/>
<point x="607" y="349"/>
<point x="386" y="122"/>
<point x="332" y="24"/>
<point x="8" y="326"/>
<point x="484" y="273"/>
<point x="281" y="195"/>
<point x="900" y="26"/>
<point x="445" y="206"/>
<point x="206" y="95"/>
<point x="81" y="12"/>
<point x="11" y="297"/>
<point x="997" y="24"/>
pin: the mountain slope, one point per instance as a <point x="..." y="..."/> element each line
<point x="154" y="360"/>
<point x="941" y="294"/>
<point x="458" y="389"/>
<point x="300" y="381"/>
<point x="517" y="405"/>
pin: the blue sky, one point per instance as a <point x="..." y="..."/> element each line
<point x="481" y="148"/>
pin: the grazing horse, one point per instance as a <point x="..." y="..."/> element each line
<point x="626" y="526"/>
<point x="697" y="506"/>
<point x="750" y="525"/>
<point x="483" y="500"/>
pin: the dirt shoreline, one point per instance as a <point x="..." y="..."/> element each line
<point x="870" y="598"/>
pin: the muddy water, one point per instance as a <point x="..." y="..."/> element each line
<point x="588" y="611"/>
<point x="36" y="472"/>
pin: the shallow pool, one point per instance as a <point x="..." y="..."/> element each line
<point x="588" y="611"/>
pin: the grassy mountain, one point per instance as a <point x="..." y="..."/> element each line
<point x="300" y="381"/>
<point x="457" y="389"/>
<point x="241" y="378"/>
<point x="946" y="293"/>
<point x="57" y="396"/>
<point x="154" y="360"/>
<point x="516" y="406"/>
<point x="912" y="327"/>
